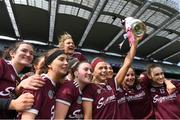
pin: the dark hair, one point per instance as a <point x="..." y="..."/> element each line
<point x="36" y="62"/>
<point x="137" y="81"/>
<point x="75" y="67"/>
<point x="13" y="48"/>
<point x="50" y="55"/>
<point x="152" y="66"/>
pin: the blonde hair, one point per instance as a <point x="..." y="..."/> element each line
<point x="62" y="38"/>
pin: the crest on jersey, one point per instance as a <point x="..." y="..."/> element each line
<point x="153" y="90"/>
<point x="79" y="100"/>
<point x="99" y="91"/>
<point x="138" y="87"/>
<point x="162" y="91"/>
<point x="119" y="89"/>
<point x="50" y="94"/>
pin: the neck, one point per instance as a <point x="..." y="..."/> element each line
<point x="54" y="77"/>
<point x="81" y="85"/>
<point x="17" y="66"/>
<point x="96" y="81"/>
<point x="154" y="84"/>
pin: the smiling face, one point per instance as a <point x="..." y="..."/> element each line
<point x="69" y="46"/>
<point x="129" y="79"/>
<point x="59" y="65"/>
<point x="100" y="72"/>
<point x="157" y="76"/>
<point x="84" y="73"/>
<point x="22" y="55"/>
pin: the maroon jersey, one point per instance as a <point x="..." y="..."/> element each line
<point x="79" y="56"/>
<point x="103" y="99"/>
<point x="8" y="81"/>
<point x="44" y="100"/>
<point x="166" y="106"/>
<point x="123" y="111"/>
<point x="139" y="100"/>
<point x="70" y="94"/>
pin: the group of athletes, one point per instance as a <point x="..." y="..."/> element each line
<point x="62" y="84"/>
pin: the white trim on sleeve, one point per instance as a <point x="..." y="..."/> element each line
<point x="35" y="111"/>
<point x="87" y="99"/>
<point x="64" y="102"/>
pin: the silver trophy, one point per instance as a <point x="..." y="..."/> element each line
<point x="137" y="26"/>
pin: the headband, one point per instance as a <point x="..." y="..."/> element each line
<point x="53" y="56"/>
<point x="95" y="61"/>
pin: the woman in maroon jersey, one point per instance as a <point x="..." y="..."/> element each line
<point x="69" y="95"/>
<point x="44" y="98"/>
<point x="166" y="106"/>
<point x="99" y="98"/>
<point x="137" y="94"/>
<point x="21" y="55"/>
<point x="66" y="43"/>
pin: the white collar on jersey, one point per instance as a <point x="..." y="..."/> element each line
<point x="46" y="76"/>
<point x="9" y="62"/>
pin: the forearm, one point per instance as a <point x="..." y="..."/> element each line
<point x="126" y="65"/>
<point x="4" y="103"/>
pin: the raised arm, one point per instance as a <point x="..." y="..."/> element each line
<point x="127" y="62"/>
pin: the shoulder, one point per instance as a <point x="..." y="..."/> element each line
<point x="79" y="56"/>
<point x="4" y="62"/>
<point x="91" y="88"/>
<point x="68" y="87"/>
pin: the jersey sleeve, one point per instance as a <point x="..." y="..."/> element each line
<point x="1" y="67"/>
<point x="38" y="100"/>
<point x="65" y="94"/>
<point x="88" y="93"/>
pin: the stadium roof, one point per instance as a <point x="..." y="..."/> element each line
<point x="96" y="24"/>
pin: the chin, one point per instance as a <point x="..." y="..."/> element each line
<point x="25" y="63"/>
<point x="160" y="83"/>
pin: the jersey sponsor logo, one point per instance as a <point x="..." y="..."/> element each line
<point x="153" y="90"/>
<point x="76" y="114"/>
<point x="159" y="99"/>
<point x="7" y="91"/>
<point x="136" y="97"/>
<point x="162" y="91"/>
<point x="103" y="101"/>
<point x="50" y="94"/>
